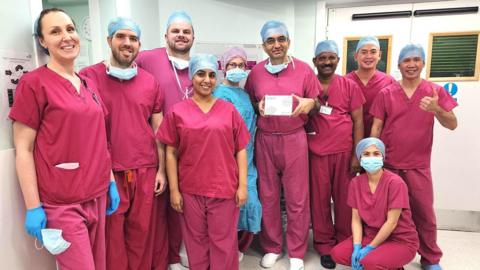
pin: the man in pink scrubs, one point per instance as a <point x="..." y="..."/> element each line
<point x="404" y="114"/>
<point x="169" y="65"/>
<point x="281" y="145"/>
<point x="332" y="131"/>
<point x="135" y="102"/>
<point x="367" y="77"/>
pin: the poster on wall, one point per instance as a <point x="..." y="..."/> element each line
<point x="13" y="65"/>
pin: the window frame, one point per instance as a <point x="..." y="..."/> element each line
<point x="357" y="38"/>
<point x="475" y="76"/>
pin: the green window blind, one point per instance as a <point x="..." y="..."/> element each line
<point x="453" y="56"/>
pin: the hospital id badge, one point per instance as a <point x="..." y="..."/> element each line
<point x="326" y="109"/>
<point x="278" y="105"/>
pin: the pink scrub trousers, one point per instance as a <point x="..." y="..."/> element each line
<point x="330" y="178"/>
<point x="282" y="162"/>
<point x="420" y="191"/>
<point x="129" y="231"/>
<point x="209" y="227"/>
<point x="390" y="255"/>
<point x="83" y="225"/>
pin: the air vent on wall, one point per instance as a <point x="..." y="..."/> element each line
<point x="381" y="15"/>
<point x="445" y="11"/>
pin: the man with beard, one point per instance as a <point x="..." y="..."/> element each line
<point x="134" y="101"/>
<point x="333" y="131"/>
<point x="367" y="77"/>
<point x="169" y="65"/>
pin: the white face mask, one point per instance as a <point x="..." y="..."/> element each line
<point x="179" y="64"/>
<point x="54" y="242"/>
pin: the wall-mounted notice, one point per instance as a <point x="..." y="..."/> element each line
<point x="12" y="66"/>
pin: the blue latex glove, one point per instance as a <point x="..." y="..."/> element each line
<point x="355" y="257"/>
<point x="114" y="198"/>
<point x="35" y="221"/>
<point x="431" y="267"/>
<point x="364" y="251"/>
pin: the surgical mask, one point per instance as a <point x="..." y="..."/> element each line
<point x="236" y="75"/>
<point x="122" y="73"/>
<point x="54" y="242"/>
<point x="179" y="64"/>
<point x="371" y="164"/>
<point x="274" y="69"/>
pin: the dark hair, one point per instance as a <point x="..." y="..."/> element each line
<point x="38" y="24"/>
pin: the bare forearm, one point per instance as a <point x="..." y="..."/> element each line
<point x="161" y="156"/>
<point x="172" y="169"/>
<point x="446" y="119"/>
<point x="384" y="232"/>
<point x="27" y="178"/>
<point x="241" y="157"/>
<point x="356" y="227"/>
<point x="377" y="127"/>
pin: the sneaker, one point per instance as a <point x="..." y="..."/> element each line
<point x="240" y="256"/>
<point x="175" y="266"/>
<point x="183" y="255"/>
<point x="296" y="264"/>
<point x="327" y="262"/>
<point x="431" y="267"/>
<point x="269" y="260"/>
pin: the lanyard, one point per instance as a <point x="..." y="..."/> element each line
<point x="187" y="91"/>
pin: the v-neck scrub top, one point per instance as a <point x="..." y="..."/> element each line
<point x="70" y="129"/>
<point x="206" y="145"/>
<point x="407" y="129"/>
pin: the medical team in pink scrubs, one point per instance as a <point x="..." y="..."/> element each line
<point x="135" y="102"/>
<point x="206" y="161"/>
<point x="62" y="161"/>
<point x="367" y="77"/>
<point x="383" y="232"/>
<point x="169" y="66"/>
<point x="281" y="145"/>
<point x="332" y="132"/>
<point x="404" y="113"/>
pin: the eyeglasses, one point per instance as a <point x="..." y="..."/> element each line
<point x="280" y="40"/>
<point x="235" y="65"/>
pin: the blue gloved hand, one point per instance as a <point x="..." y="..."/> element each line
<point x="35" y="221"/>
<point x="431" y="267"/>
<point x="364" y="251"/>
<point x="355" y="257"/>
<point x="114" y="198"/>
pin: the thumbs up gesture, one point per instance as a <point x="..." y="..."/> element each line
<point x="430" y="104"/>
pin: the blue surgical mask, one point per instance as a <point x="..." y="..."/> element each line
<point x="274" y="69"/>
<point x="371" y="164"/>
<point x="122" y="73"/>
<point x="236" y="75"/>
<point x="179" y="64"/>
<point x="54" y="242"/>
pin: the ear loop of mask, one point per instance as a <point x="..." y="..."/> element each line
<point x="187" y="91"/>
<point x="36" y="246"/>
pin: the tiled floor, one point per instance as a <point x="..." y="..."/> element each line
<point x="461" y="252"/>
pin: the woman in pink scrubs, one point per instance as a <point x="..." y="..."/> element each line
<point x="62" y="160"/>
<point x="206" y="162"/>
<point x="383" y="232"/>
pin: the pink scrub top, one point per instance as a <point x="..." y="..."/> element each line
<point x="370" y="91"/>
<point x="334" y="132"/>
<point x="156" y="62"/>
<point x="206" y="144"/>
<point x="298" y="78"/>
<point x="408" y="130"/>
<point x="131" y="103"/>
<point x="391" y="193"/>
<point x="70" y="129"/>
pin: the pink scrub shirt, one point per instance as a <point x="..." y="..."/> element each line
<point x="156" y="62"/>
<point x="391" y="193"/>
<point x="370" y="91"/>
<point x="334" y="132"/>
<point x="131" y="103"/>
<point x="298" y="78"/>
<point x="70" y="129"/>
<point x="206" y="144"/>
<point x="408" y="130"/>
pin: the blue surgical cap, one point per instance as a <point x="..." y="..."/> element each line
<point x="411" y="50"/>
<point x="119" y="23"/>
<point x="202" y="61"/>
<point x="271" y="28"/>
<point x="367" y="40"/>
<point x="365" y="143"/>
<point x="178" y="16"/>
<point x="326" y="46"/>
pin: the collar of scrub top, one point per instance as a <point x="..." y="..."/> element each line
<point x="186" y="93"/>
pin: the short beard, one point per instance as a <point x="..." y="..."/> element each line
<point x="121" y="61"/>
<point x="176" y="50"/>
